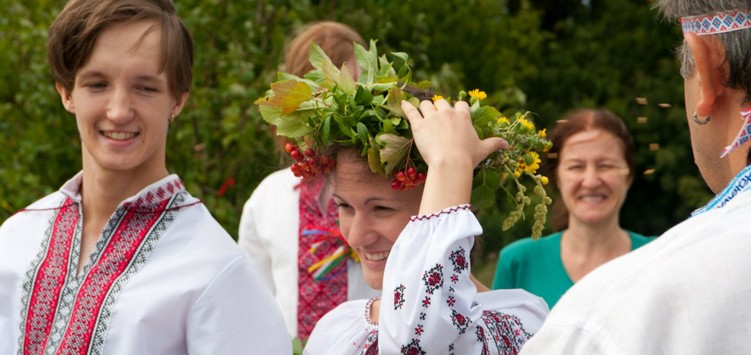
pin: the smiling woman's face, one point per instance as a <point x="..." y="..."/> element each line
<point x="371" y="213"/>
<point x="593" y="177"/>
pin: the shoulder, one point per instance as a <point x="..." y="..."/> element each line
<point x="42" y="208"/>
<point x="279" y="188"/>
<point x="279" y="179"/>
<point x="343" y="330"/>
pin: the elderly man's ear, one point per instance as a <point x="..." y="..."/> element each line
<point x="709" y="56"/>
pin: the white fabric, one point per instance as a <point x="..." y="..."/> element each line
<point x="425" y="243"/>
<point x="685" y="293"/>
<point x="197" y="293"/>
<point x="269" y="232"/>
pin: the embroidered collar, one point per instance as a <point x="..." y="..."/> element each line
<point x="716" y="23"/>
<point x="740" y="183"/>
<point x="149" y="197"/>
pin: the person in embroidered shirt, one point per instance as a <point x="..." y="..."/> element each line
<point x="593" y="167"/>
<point x="684" y="293"/>
<point x="122" y="259"/>
<point x="429" y="303"/>
<point x="286" y="215"/>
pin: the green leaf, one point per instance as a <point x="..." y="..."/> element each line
<point x="294" y="125"/>
<point x="374" y="161"/>
<point x="363" y="96"/>
<point x="362" y="133"/>
<point x="482" y="116"/>
<point x="368" y="61"/>
<point x="483" y="197"/>
<point x="288" y="95"/>
<point x="394" y="151"/>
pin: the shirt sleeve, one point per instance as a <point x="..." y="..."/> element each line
<point x="237" y="315"/>
<point x="251" y="243"/>
<point x="429" y="304"/>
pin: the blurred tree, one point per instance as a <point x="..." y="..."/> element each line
<point x="546" y="56"/>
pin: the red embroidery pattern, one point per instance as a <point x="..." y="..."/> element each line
<point x="459" y="260"/>
<point x="72" y="317"/>
<point x="413" y="348"/>
<point x="50" y="279"/>
<point x="507" y="331"/>
<point x="460" y="321"/>
<point x="433" y="279"/>
<point x="399" y="297"/>
<point x="115" y="259"/>
<point x="425" y="217"/>
<point x="316" y="298"/>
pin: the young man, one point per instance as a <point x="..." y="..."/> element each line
<point x="123" y="260"/>
<point x="687" y="292"/>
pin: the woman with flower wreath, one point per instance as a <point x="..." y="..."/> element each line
<point x="402" y="180"/>
<point x="288" y="226"/>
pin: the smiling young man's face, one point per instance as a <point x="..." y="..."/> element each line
<point x="371" y="213"/>
<point x="122" y="102"/>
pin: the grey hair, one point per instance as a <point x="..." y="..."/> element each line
<point x="737" y="43"/>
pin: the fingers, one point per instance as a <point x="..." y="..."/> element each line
<point x="427" y="108"/>
<point x="462" y="105"/>
<point x="492" y="144"/>
<point x="410" y="111"/>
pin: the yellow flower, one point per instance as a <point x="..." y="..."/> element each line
<point x="437" y="97"/>
<point x="502" y="120"/>
<point x="542" y="133"/>
<point x="544" y="180"/>
<point x="526" y="124"/>
<point x="477" y="94"/>
<point x="532" y="162"/>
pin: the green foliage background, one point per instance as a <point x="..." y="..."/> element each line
<point x="545" y="56"/>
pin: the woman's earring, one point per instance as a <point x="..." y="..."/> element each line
<point x="702" y="120"/>
<point x="171" y="118"/>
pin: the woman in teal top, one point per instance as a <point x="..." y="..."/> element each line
<point x="592" y="161"/>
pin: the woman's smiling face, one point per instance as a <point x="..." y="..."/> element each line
<point x="593" y="176"/>
<point x="371" y="213"/>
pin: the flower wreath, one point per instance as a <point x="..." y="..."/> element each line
<point x="328" y="108"/>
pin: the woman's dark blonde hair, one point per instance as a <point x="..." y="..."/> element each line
<point x="74" y="32"/>
<point x="335" y="39"/>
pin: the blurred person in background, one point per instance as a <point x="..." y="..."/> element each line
<point x="592" y="163"/>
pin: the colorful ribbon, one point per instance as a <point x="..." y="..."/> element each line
<point x="323" y="267"/>
<point x="743" y="135"/>
<point x="716" y="23"/>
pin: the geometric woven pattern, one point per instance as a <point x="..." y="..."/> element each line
<point x="67" y="312"/>
<point x="317" y="297"/>
<point x="716" y="23"/>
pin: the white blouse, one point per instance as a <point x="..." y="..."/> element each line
<point x="429" y="304"/>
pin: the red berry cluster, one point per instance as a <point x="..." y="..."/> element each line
<point x="407" y="179"/>
<point x="308" y="163"/>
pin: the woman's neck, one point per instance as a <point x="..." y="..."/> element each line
<point x="585" y="247"/>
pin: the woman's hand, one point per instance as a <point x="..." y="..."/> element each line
<point x="445" y="134"/>
<point x="448" y="142"/>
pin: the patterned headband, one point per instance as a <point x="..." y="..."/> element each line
<point x="716" y="23"/>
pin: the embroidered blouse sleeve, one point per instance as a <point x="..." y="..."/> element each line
<point x="430" y="305"/>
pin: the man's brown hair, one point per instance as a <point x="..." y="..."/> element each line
<point x="74" y="32"/>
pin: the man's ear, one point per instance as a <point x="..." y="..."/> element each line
<point x="65" y="97"/>
<point x="709" y="56"/>
<point x="180" y="104"/>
